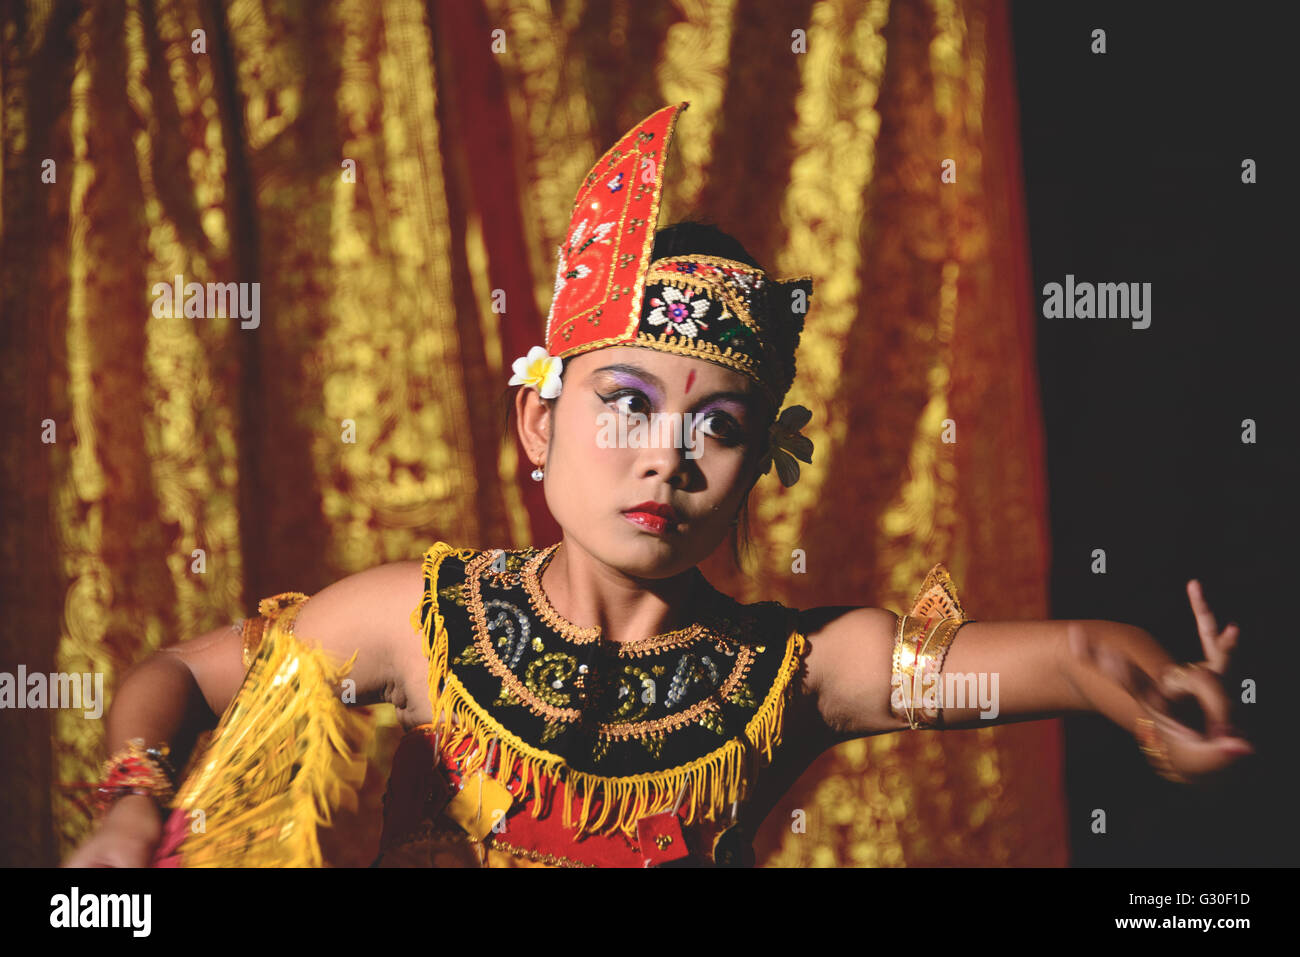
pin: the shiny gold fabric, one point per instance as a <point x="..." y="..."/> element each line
<point x="361" y="420"/>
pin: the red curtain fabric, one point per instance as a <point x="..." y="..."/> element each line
<point x="386" y="172"/>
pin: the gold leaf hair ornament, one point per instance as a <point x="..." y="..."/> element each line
<point x="787" y="443"/>
<point x="539" y="370"/>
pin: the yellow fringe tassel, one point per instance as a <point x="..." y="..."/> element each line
<point x="714" y="781"/>
<point x="285" y="755"/>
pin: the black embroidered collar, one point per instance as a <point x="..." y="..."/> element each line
<point x="615" y="709"/>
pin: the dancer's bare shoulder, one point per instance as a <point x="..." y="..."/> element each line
<point x="370" y="613"/>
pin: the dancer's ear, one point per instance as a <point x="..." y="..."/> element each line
<point x="533" y="419"/>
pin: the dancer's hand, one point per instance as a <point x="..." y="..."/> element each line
<point x="126" y="837"/>
<point x="1191" y="753"/>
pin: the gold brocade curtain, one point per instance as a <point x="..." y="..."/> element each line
<point x="380" y="169"/>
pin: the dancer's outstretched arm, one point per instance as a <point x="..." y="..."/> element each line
<point x="182" y="690"/>
<point x="1026" y="670"/>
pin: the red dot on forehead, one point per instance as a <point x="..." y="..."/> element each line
<point x="689" y="379"/>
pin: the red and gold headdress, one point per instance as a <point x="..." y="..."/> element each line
<point x="609" y="293"/>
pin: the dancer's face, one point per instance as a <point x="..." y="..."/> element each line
<point x="632" y="426"/>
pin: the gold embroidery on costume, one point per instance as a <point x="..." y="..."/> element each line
<point x="704" y="690"/>
<point x="453" y="593"/>
<point x="554" y="860"/>
<point x="692" y="669"/>
<point x="549" y="673"/>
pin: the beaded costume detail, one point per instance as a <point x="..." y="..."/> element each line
<point x="625" y="731"/>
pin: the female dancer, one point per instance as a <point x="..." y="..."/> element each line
<point x="598" y="702"/>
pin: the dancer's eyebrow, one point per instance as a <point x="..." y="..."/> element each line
<point x="633" y="370"/>
<point x="745" y="399"/>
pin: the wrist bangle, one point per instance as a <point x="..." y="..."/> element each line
<point x="136" y="769"/>
<point x="1149" y="742"/>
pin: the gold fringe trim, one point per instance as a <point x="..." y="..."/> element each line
<point x="286" y="754"/>
<point x="433" y="627"/>
<point x="714" y="780"/>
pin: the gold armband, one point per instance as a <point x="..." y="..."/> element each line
<point x="285" y="605"/>
<point x="920" y="646"/>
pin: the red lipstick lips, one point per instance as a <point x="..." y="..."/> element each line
<point x="652" y="516"/>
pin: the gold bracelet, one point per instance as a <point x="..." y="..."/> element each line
<point x="1149" y="742"/>
<point x="136" y="769"/>
<point x="920" y="647"/>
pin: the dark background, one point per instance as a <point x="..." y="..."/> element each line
<point x="1133" y="174"/>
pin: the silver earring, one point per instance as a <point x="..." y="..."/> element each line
<point x="537" y="474"/>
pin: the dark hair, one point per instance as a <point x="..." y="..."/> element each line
<point x="694" y="237"/>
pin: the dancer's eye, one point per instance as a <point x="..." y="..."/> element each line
<point x="627" y="401"/>
<point x="721" y="426"/>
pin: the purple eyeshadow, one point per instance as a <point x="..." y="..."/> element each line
<point x="737" y="409"/>
<point x="625" y="380"/>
